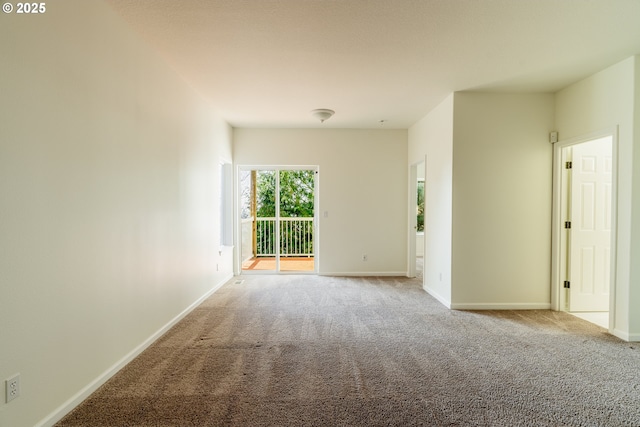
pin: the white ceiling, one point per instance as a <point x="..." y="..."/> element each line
<point x="268" y="63"/>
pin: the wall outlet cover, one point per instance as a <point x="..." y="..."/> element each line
<point x="12" y="387"/>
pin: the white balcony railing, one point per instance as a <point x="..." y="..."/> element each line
<point x="296" y="237"/>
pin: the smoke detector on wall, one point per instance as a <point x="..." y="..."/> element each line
<point x="322" y="114"/>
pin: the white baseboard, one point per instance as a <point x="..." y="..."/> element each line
<point x="79" y="397"/>
<point x="634" y="337"/>
<point x="501" y="306"/>
<point x="364" y="273"/>
<point x="438" y="297"/>
<point x="625" y="335"/>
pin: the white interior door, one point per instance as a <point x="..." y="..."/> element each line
<point x="590" y="232"/>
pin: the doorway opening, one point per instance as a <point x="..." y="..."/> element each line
<point x="278" y="219"/>
<point x="586" y="215"/>
<point x="416" y="220"/>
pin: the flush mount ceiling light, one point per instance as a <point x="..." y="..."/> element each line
<point x="322" y="114"/>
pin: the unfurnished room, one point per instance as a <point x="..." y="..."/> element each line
<point x="320" y="213"/>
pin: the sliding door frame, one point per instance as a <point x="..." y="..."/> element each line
<point x="238" y="221"/>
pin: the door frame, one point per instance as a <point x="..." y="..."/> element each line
<point x="413" y="220"/>
<point x="238" y="221"/>
<point x="558" y="235"/>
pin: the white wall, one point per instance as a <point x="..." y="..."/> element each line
<point x="363" y="188"/>
<point x="634" y="287"/>
<point x="433" y="137"/>
<point x="605" y="100"/>
<point x="502" y="171"/>
<point x="108" y="200"/>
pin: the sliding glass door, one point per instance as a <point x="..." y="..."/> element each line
<point x="277" y="214"/>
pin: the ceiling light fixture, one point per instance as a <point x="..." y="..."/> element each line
<point x="322" y="114"/>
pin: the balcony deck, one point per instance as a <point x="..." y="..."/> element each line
<point x="286" y="264"/>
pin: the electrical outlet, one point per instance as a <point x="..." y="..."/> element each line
<point x="365" y="257"/>
<point x="12" y="386"/>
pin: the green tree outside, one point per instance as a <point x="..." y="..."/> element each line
<point x="420" y="210"/>
<point x="296" y="193"/>
<point x="296" y="201"/>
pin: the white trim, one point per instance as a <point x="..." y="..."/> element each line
<point x="411" y="251"/>
<point x="557" y="297"/>
<point x="84" y="393"/>
<point x="625" y="335"/>
<point x="438" y="297"/>
<point x="502" y="306"/>
<point x="365" y="273"/>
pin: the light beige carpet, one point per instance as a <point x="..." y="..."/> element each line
<point x="323" y="351"/>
